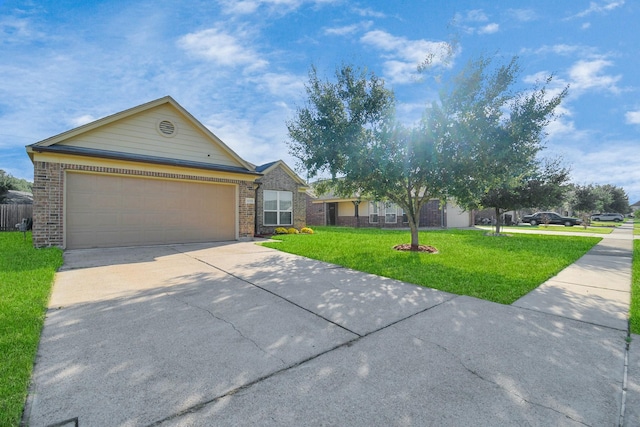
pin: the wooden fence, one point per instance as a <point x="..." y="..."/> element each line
<point x="10" y="215"/>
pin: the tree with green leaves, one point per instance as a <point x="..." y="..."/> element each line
<point x="591" y="198"/>
<point x="493" y="137"/>
<point x="348" y="130"/>
<point x="478" y="137"/>
<point x="9" y="182"/>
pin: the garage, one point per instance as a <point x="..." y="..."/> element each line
<point x="112" y="210"/>
<point x="149" y="175"/>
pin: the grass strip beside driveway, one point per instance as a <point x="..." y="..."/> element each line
<point x="26" y="276"/>
<point x="557" y="228"/>
<point x="634" y="311"/>
<point x="499" y="269"/>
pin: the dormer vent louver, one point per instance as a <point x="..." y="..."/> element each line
<point x="167" y="128"/>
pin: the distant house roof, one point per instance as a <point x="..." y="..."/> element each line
<point x="15" y="197"/>
<point x="266" y="166"/>
<point x="264" y="169"/>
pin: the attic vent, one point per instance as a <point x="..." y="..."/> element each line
<point x="167" y="128"/>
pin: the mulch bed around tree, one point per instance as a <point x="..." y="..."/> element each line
<point x="421" y="248"/>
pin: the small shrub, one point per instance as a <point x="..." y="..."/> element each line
<point x="306" y="230"/>
<point x="280" y="230"/>
<point x="292" y="231"/>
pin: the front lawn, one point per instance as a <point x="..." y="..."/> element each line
<point x="26" y="275"/>
<point x="560" y="228"/>
<point x="499" y="269"/>
<point x="634" y="312"/>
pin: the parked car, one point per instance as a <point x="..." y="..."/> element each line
<point x="607" y="217"/>
<point x="551" y="218"/>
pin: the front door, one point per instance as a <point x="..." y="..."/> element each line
<point x="331" y="213"/>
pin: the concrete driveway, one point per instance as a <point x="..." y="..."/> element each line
<point x="238" y="334"/>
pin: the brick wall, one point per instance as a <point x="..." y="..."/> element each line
<point x="315" y="212"/>
<point x="279" y="180"/>
<point x="430" y="216"/>
<point x="48" y="190"/>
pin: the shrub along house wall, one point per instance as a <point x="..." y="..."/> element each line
<point x="279" y="177"/>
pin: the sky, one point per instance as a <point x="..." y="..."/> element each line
<point x="240" y="67"/>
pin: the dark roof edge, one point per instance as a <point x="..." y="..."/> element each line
<point x="115" y="155"/>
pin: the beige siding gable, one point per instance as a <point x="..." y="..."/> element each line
<point x="140" y="134"/>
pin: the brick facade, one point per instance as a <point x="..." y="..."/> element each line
<point x="279" y="180"/>
<point x="48" y="218"/>
<point x="48" y="191"/>
<point x="430" y="216"/>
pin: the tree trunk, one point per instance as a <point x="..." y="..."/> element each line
<point x="498" y="220"/>
<point x="414" y="233"/>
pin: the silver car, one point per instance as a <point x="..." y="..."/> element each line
<point x="607" y="217"/>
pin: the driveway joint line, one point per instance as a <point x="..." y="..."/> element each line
<point x="537" y="310"/>
<point x="272" y="293"/>
<point x="238" y="331"/>
<point x="589" y="286"/>
<point x="197" y="407"/>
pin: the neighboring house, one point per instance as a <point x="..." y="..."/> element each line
<point x="152" y="174"/>
<point x="355" y="212"/>
<point x="635" y="206"/>
<point x="281" y="198"/>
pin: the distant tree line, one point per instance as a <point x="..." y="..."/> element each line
<point x="9" y="182"/>
<point x="587" y="199"/>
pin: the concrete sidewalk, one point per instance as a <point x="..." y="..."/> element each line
<point x="238" y="334"/>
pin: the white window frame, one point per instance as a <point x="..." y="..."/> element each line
<point x="373" y="213"/>
<point x="390" y="213"/>
<point x="279" y="210"/>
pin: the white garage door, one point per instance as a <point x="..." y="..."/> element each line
<point x="108" y="211"/>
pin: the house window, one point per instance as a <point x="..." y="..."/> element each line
<point x="373" y="212"/>
<point x="390" y="213"/>
<point x="278" y="207"/>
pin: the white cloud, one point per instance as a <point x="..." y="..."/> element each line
<point x="601" y="8"/>
<point x="246" y="7"/>
<point x="369" y="12"/>
<point x="286" y="86"/>
<point x="523" y="15"/>
<point x="82" y="120"/>
<point x="404" y="55"/>
<point x="476" y="15"/>
<point x="219" y="46"/>
<point x="348" y="29"/>
<point x="587" y="74"/>
<point x="470" y="20"/>
<point x="17" y="30"/>
<point x="632" y="117"/>
<point x="567" y="50"/>
<point x="489" y="29"/>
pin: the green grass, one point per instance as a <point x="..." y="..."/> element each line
<point x="613" y="224"/>
<point x="560" y="228"/>
<point x="634" y="311"/>
<point x="636" y="227"/>
<point x="499" y="269"/>
<point x="26" y="275"/>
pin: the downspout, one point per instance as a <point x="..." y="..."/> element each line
<point x="443" y="215"/>
<point x="255" y="208"/>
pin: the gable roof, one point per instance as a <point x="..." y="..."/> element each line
<point x="67" y="142"/>
<point x="267" y="167"/>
